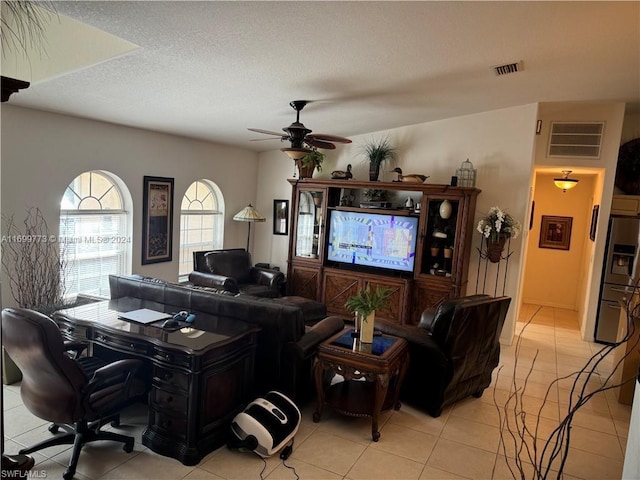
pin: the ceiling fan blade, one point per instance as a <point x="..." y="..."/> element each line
<point x="268" y="132"/>
<point x="319" y="143"/>
<point x="328" y="138"/>
<point x="263" y="139"/>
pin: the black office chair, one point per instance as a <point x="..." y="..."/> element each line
<point x="79" y="395"/>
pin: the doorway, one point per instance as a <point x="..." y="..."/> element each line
<point x="558" y="271"/>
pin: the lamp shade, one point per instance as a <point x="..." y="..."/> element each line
<point x="248" y="214"/>
<point x="565" y="183"/>
<point x="295" y="153"/>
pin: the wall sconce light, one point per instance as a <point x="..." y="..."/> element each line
<point x="565" y="183"/>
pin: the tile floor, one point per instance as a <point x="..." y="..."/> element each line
<point x="463" y="443"/>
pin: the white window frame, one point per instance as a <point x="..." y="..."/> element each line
<point x="186" y="249"/>
<point x="103" y="245"/>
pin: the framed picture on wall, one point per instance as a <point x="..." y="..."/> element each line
<point x="555" y="232"/>
<point x="157" y="220"/>
<point x="281" y="217"/>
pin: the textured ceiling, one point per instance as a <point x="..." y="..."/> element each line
<point x="210" y="70"/>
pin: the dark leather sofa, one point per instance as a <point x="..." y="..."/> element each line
<point x="232" y="270"/>
<point x="286" y="346"/>
<point x="453" y="351"/>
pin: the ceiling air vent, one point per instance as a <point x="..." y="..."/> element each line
<point x="575" y="139"/>
<point x="507" y="68"/>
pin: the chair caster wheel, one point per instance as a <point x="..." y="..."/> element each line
<point x="68" y="475"/>
<point x="115" y="423"/>
<point x="53" y="428"/>
<point x="128" y="447"/>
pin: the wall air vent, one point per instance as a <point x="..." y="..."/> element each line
<point x="575" y="139"/>
<point x="507" y="68"/>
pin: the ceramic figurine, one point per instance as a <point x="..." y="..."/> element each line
<point x="409" y="178"/>
<point x="342" y="174"/>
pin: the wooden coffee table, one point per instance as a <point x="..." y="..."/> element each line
<point x="373" y="374"/>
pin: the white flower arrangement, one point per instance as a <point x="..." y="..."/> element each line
<point x="498" y="222"/>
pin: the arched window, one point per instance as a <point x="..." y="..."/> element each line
<point x="201" y="222"/>
<point x="94" y="233"/>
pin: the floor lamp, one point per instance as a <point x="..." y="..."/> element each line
<point x="248" y="214"/>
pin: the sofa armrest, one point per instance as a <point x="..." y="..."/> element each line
<point x="419" y="339"/>
<point x="315" y="335"/>
<point x="202" y="279"/>
<point x="271" y="278"/>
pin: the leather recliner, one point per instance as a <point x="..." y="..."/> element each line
<point x="232" y="270"/>
<point x="453" y="351"/>
<point x="78" y="395"/>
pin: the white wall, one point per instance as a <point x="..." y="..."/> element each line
<point x="499" y="144"/>
<point x="42" y="152"/>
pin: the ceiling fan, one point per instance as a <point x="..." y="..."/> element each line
<point x="301" y="137"/>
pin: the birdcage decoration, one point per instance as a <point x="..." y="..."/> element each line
<point x="466" y="174"/>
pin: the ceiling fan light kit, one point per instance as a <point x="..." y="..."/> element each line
<point x="301" y="138"/>
<point x="295" y="153"/>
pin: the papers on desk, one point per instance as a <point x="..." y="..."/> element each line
<point x="144" y="315"/>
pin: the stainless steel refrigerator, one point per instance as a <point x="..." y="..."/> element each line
<point x="620" y="271"/>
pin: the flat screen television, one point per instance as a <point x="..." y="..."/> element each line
<point x="386" y="241"/>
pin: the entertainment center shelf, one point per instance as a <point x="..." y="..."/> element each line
<point x="411" y="237"/>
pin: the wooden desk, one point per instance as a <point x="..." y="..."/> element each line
<point x="382" y="364"/>
<point x="198" y="380"/>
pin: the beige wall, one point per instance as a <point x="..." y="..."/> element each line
<point x="499" y="144"/>
<point x="42" y="152"/>
<point x="552" y="276"/>
<point x="504" y="148"/>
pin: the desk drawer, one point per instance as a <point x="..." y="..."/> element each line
<point x="169" y="402"/>
<point x="172" y="378"/>
<point x="73" y="332"/>
<point x="121" y="343"/>
<point x="178" y="359"/>
<point x="176" y="427"/>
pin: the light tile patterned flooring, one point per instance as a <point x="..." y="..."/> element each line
<point x="462" y="443"/>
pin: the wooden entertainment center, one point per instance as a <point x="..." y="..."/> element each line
<point x="388" y="243"/>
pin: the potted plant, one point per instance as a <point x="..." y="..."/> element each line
<point x="435" y="249"/>
<point x="497" y="227"/>
<point x="311" y="161"/>
<point x="364" y="304"/>
<point x="378" y="153"/>
<point x="448" y="251"/>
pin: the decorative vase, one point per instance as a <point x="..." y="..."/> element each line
<point x="445" y="209"/>
<point x="494" y="249"/>
<point x="305" y="171"/>
<point x="366" y="328"/>
<point x="435" y="251"/>
<point x="448" y="252"/>
<point x="374" y="171"/>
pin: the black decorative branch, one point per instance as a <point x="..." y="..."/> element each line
<point x="550" y="454"/>
<point x="33" y="262"/>
<point x="23" y="24"/>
